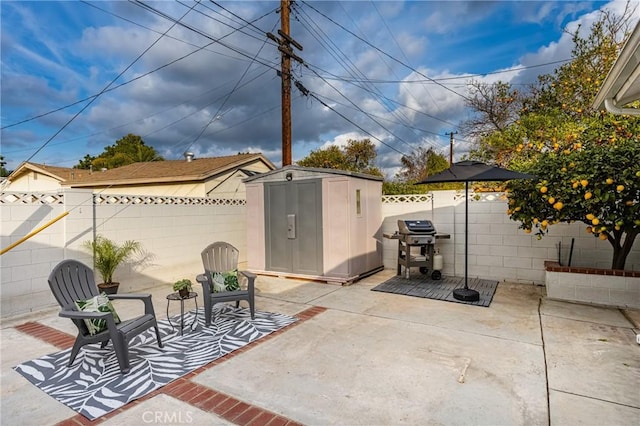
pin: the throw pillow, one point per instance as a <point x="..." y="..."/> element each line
<point x="99" y="303"/>
<point x="225" y="281"/>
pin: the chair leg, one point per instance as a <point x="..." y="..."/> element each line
<point x="207" y="313"/>
<point x="252" y="307"/>
<point x="237" y="304"/>
<point x="74" y="351"/>
<point x="158" y="336"/>
<point x="122" y="353"/>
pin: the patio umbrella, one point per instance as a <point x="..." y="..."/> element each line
<point x="471" y="171"/>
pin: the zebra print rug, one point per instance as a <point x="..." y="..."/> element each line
<point x="93" y="385"/>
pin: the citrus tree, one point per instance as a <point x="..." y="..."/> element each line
<point x="595" y="179"/>
<point x="587" y="162"/>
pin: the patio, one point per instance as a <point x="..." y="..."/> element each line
<point x="361" y="357"/>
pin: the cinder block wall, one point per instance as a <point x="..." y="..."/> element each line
<point x="497" y="249"/>
<point x="172" y="230"/>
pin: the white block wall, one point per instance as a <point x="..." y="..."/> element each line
<point x="608" y="290"/>
<point x="175" y="230"/>
<point x="497" y="249"/>
<point x="173" y="235"/>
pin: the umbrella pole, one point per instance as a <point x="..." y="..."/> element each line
<point x="466" y="233"/>
<point x="466" y="293"/>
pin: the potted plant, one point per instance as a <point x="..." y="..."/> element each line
<point x="107" y="256"/>
<point x="183" y="287"/>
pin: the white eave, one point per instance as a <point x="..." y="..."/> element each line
<point x="622" y="84"/>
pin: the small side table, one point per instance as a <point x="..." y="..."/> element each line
<point x="176" y="296"/>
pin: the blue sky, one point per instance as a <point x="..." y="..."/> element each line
<point x="362" y="62"/>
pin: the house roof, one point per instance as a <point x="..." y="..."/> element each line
<point x="59" y="173"/>
<point x="169" y="171"/>
<point x="622" y="84"/>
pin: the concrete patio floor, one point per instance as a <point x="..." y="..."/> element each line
<point x="359" y="357"/>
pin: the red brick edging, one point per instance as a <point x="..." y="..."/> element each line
<point x="553" y="266"/>
<point x="202" y="397"/>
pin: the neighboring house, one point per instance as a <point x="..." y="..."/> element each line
<point x="33" y="177"/>
<point x="216" y="177"/>
<point x="622" y="84"/>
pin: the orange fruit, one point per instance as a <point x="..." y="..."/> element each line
<point x="595" y="221"/>
<point x="620" y="188"/>
<point x="609" y="181"/>
<point x="544" y="189"/>
<point x="584" y="182"/>
<point x="551" y="200"/>
<point x="590" y="216"/>
<point x="602" y="236"/>
<point x="558" y="205"/>
<point x="588" y="195"/>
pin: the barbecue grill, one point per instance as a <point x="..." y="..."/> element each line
<point x="422" y="234"/>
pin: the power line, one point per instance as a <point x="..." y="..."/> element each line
<point x="103" y="90"/>
<point x="346" y="63"/>
<point x="109" y="89"/>
<point x="383" y="52"/>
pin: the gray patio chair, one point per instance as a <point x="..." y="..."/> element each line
<point x="70" y="281"/>
<point x="221" y="257"/>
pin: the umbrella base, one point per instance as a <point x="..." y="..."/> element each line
<point x="466" y="294"/>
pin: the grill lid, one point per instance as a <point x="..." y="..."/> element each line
<point x="423" y="227"/>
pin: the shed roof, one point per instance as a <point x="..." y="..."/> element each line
<point x="314" y="170"/>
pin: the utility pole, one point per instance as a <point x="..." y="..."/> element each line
<point x="284" y="46"/>
<point x="451" y="146"/>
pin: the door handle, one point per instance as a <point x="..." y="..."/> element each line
<point x="291" y="226"/>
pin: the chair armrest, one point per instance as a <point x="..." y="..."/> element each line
<point x="84" y="315"/>
<point x="248" y="274"/>
<point x="203" y="279"/>
<point x="251" y="278"/>
<point x="146" y="298"/>
<point x="128" y="296"/>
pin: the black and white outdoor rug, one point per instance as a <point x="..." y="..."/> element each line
<point x="93" y="385"/>
<point x="424" y="286"/>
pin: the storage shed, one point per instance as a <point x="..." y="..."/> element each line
<point x="321" y="224"/>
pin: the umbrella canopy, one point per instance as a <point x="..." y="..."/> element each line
<point x="472" y="171"/>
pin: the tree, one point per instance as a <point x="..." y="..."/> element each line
<point x="587" y="161"/>
<point x="358" y="156"/>
<point x="422" y="162"/>
<point x="597" y="183"/>
<point x="127" y="150"/>
<point x="3" y="172"/>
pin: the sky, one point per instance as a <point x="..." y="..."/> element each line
<point x="203" y="77"/>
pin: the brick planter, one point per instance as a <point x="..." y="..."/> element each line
<point x="608" y="287"/>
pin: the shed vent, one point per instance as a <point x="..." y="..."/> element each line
<point x="188" y="156"/>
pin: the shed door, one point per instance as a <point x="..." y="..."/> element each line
<point x="293" y="222"/>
